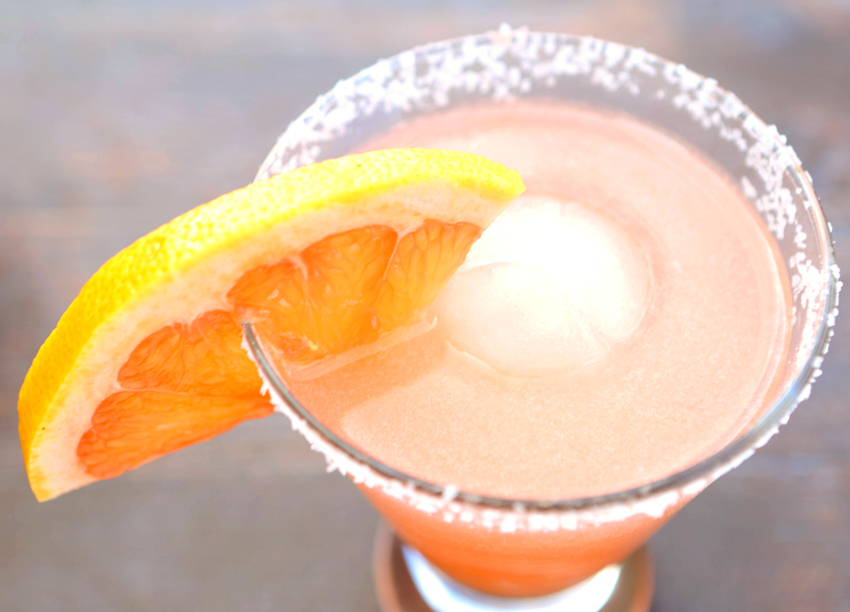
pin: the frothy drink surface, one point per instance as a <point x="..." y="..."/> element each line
<point x="623" y="320"/>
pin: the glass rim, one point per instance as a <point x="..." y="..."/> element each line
<point x="708" y="468"/>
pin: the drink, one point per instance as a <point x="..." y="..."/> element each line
<point x="654" y="387"/>
<point x="675" y="388"/>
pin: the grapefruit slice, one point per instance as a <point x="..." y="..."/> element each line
<point x="148" y="358"/>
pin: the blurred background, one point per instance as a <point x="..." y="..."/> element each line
<point x="117" y="116"/>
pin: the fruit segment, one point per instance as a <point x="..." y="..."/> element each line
<point x="183" y="384"/>
<point x="322" y="302"/>
<point x="421" y="266"/>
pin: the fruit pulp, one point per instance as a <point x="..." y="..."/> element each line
<point x="677" y="339"/>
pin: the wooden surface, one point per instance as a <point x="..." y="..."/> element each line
<point x="115" y="117"/>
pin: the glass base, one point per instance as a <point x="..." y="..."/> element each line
<point x="406" y="582"/>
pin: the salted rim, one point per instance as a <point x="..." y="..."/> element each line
<point x="667" y="490"/>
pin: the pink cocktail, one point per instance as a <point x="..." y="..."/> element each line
<point x="664" y="305"/>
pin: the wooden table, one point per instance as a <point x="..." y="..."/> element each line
<point x="116" y="117"/>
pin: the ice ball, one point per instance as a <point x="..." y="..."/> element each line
<point x="550" y="285"/>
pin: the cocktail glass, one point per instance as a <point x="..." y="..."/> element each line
<point x="472" y="552"/>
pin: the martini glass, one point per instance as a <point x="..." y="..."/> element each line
<point x="465" y="551"/>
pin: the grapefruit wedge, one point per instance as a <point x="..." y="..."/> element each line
<point x="323" y="259"/>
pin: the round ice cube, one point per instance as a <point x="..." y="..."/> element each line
<point x="550" y="285"/>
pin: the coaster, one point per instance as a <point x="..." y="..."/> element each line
<point x="397" y="591"/>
